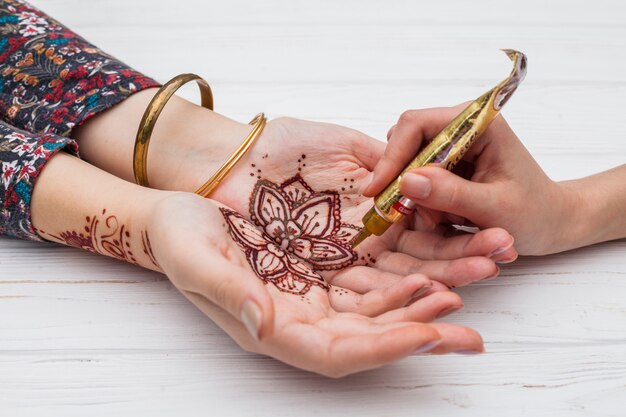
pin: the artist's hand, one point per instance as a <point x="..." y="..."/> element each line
<point x="334" y="161"/>
<point x="214" y="253"/>
<point x="500" y="184"/>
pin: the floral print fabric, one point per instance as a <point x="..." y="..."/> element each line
<point x="22" y="157"/>
<point x="51" y="80"/>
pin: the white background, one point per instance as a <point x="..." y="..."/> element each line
<point x="84" y="335"/>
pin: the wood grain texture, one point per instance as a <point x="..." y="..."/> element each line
<point x="84" y="335"/>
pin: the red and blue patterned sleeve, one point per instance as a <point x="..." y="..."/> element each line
<point x="51" y="80"/>
<point x="22" y="157"/>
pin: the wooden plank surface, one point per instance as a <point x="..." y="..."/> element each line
<point x="83" y="335"/>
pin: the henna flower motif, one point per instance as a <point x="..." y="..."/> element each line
<point x="269" y="261"/>
<point x="303" y="222"/>
<point x="77" y="240"/>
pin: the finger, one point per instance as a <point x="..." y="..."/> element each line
<point x="437" y="287"/>
<point x="461" y="272"/>
<point x="426" y="219"/>
<point x="458" y="339"/>
<point x="425" y="309"/>
<point x="359" y="353"/>
<point x="412" y="129"/>
<point x="506" y="257"/>
<point x="390" y="132"/>
<point x="331" y="351"/>
<point x="439" y="189"/>
<point x="367" y="149"/>
<point x="362" y="279"/>
<point x="380" y="300"/>
<point x="425" y="245"/>
<point x="353" y="324"/>
<point x="453" y="273"/>
<point x="233" y="288"/>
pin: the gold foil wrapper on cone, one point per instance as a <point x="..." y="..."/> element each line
<point x="446" y="149"/>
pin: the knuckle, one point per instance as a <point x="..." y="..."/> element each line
<point x="333" y="370"/>
<point x="454" y="196"/>
<point x="450" y="298"/>
<point x="408" y="116"/>
<point x="390" y="132"/>
<point x="336" y="374"/>
<point x="220" y="291"/>
<point x="249" y="346"/>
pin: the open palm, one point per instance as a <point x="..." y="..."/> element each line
<point x="216" y="257"/>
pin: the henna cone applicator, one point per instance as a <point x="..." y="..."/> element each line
<point x="446" y="149"/>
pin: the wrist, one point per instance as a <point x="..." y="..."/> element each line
<point x="580" y="220"/>
<point x="191" y="144"/>
<point x="78" y="205"/>
<point x="566" y="226"/>
<point x="598" y="214"/>
<point x="188" y="143"/>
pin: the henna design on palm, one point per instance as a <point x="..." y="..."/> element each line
<point x="304" y="223"/>
<point x="294" y="232"/>
<point x="269" y="261"/>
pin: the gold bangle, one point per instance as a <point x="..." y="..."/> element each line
<point x="150" y="116"/>
<point x="208" y="187"/>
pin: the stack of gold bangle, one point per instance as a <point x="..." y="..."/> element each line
<point x="150" y="116"/>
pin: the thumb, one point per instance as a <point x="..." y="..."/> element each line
<point x="414" y="127"/>
<point x="232" y="287"/>
<point x="439" y="189"/>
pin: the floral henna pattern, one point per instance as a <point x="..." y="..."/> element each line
<point x="269" y="260"/>
<point x="304" y="223"/>
<point x="294" y="231"/>
<point x="105" y="236"/>
<point x="147" y="248"/>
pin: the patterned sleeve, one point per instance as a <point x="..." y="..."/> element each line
<point x="22" y="157"/>
<point x="51" y="79"/>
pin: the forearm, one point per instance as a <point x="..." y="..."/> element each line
<point x="79" y="205"/>
<point x="598" y="209"/>
<point x="185" y="135"/>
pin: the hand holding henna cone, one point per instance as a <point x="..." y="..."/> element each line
<point x="446" y="149"/>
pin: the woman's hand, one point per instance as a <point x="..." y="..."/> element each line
<point x="267" y="299"/>
<point x="219" y="260"/>
<point x="501" y="185"/>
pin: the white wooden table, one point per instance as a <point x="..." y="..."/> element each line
<point x="84" y="335"/>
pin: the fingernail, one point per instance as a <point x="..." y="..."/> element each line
<point x="252" y="318"/>
<point x="499" y="251"/>
<point x="447" y="311"/>
<point x="469" y="352"/>
<point x="506" y="261"/>
<point x="502" y="249"/>
<point x="426" y="347"/>
<point x="418" y="186"/>
<point x="494" y="276"/>
<point x="422" y="290"/>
